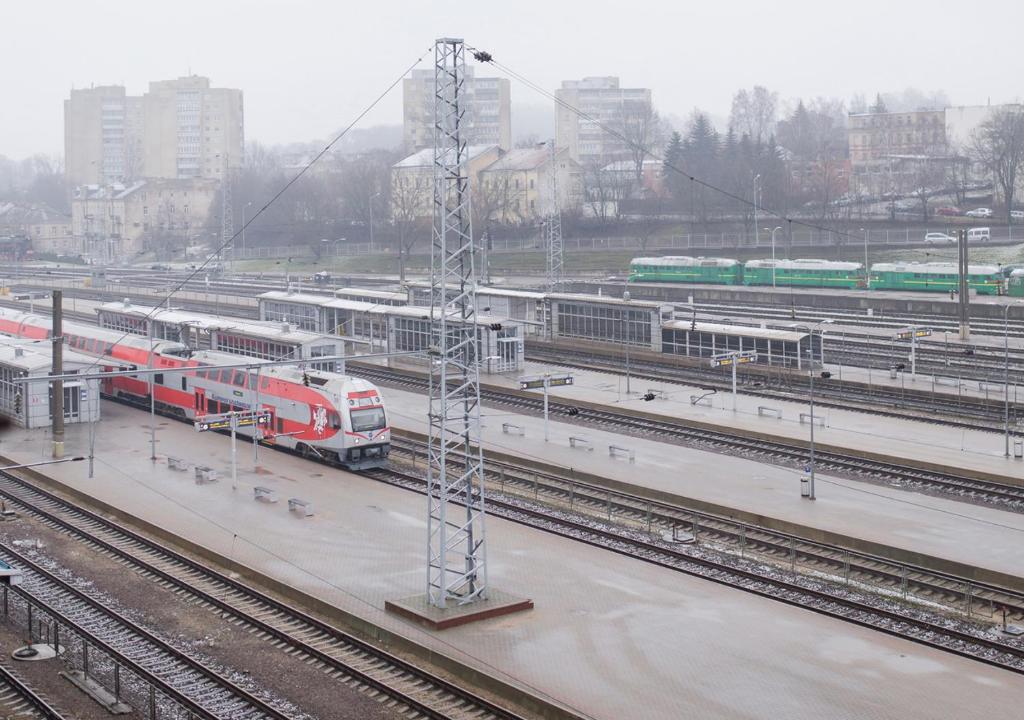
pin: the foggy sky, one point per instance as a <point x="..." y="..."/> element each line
<point x="308" y="67"/>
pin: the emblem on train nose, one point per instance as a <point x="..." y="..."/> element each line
<point x="319" y="421"/>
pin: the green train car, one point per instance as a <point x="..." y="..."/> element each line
<point x="717" y="271"/>
<point x="935" y="277"/>
<point x="805" y="273"/>
<point x="1015" y="283"/>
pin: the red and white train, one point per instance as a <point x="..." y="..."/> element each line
<point x="320" y="414"/>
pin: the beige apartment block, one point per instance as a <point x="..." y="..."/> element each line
<point x="178" y="129"/>
<point x="602" y="104"/>
<point x="487" y="103"/>
<point x="412" y="181"/>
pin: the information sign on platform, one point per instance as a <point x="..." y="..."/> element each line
<point x="908" y="333"/>
<point x="740" y="358"/>
<point x="539" y="382"/>
<point x="222" y="421"/>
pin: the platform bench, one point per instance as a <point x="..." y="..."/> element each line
<point x="303" y="506"/>
<point x="513" y="429"/>
<point x="615" y="451"/>
<point x="205" y="474"/>
<point x="176" y="463"/>
<point x="580" y="443"/>
<point x="818" y="419"/>
<point x="765" y="410"/>
<point x="264" y="494"/>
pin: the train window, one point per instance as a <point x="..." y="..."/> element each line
<point x="214" y="406"/>
<point x="334" y="419"/>
<point x="225" y="377"/>
<point x="239" y="378"/>
<point x="280" y="425"/>
<point x="92" y="346"/>
<point x="158" y="378"/>
<point x="184" y="383"/>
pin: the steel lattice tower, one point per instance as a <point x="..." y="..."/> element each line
<point x="227" y="216"/>
<point x="457" y="562"/>
<point x="554" y="226"/>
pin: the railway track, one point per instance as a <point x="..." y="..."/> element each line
<point x="415" y="691"/>
<point x="183" y="678"/>
<point x="1007" y="497"/>
<point x="958" y="595"/>
<point x="818" y="594"/>
<point x="19" y="701"/>
<point x="916" y="405"/>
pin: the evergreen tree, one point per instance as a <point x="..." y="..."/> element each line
<point x="674" y="180"/>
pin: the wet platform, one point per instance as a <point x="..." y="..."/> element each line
<point x="612" y="637"/>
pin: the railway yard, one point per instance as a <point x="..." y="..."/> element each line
<point x="747" y="502"/>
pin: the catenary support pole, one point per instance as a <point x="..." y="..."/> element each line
<point x="57" y="387"/>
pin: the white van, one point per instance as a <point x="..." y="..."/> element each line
<point x="975" y="235"/>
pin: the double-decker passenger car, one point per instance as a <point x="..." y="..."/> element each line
<point x="805" y="273"/>
<point x="320" y="414"/>
<point x="935" y="277"/>
<point x="718" y="271"/>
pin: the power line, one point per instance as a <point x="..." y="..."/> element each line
<point x="485" y="57"/>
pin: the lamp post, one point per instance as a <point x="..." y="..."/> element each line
<point x="867" y="271"/>
<point x="774" y="230"/>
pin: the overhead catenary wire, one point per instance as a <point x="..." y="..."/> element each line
<point x="485" y="57"/>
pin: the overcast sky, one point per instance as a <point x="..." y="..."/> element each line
<point x="308" y="67"/>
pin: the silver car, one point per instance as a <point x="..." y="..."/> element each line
<point x="937" y="237"/>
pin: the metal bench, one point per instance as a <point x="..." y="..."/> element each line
<point x="176" y="463"/>
<point x="513" y="429"/>
<point x="580" y="443"/>
<point x="818" y="419"/>
<point x="657" y="392"/>
<point x="701" y="399"/>
<point x="765" y="410"/>
<point x="205" y="474"/>
<point x="264" y="494"/>
<point x="303" y="506"/>
<point x="615" y="451"/>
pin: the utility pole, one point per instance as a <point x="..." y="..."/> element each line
<point x="457" y="558"/>
<point x="57" y="386"/>
<point x="965" y="312"/>
<point x="555" y="255"/>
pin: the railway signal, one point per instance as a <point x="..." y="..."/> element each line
<point x="732" y="359"/>
<point x="546" y="381"/>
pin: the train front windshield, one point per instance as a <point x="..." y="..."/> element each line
<point x="368" y="419"/>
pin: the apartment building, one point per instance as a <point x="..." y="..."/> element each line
<point x="488" y="111"/>
<point x="876" y="138"/>
<point x="116" y="222"/>
<point x="517" y="187"/>
<point x="178" y="129"/>
<point x="412" y="181"/>
<point x="602" y="104"/>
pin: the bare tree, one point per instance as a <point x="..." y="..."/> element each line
<point x="958" y="172"/>
<point x="998" y="144"/>
<point x="753" y="113"/>
<point x="603" y="188"/>
<point x="407" y="207"/>
<point x="638" y="122"/>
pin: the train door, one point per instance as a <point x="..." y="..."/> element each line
<point x="107" y="384"/>
<point x="200" y="401"/>
<point x="269" y="431"/>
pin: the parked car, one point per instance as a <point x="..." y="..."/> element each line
<point x="983" y="234"/>
<point x="947" y="211"/>
<point x="979" y="213"/>
<point x="937" y="237"/>
<point x="1017" y="214"/>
